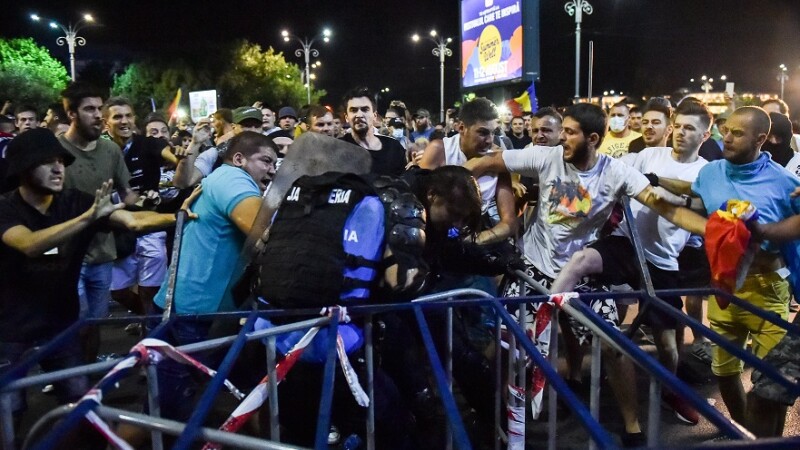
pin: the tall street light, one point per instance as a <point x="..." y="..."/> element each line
<point x="440" y="51"/>
<point x="705" y="82"/>
<point x="577" y="8"/>
<point x="70" y="38"/>
<point x="307" y="51"/>
<point x="783" y="77"/>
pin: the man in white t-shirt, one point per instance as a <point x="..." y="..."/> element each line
<point x="612" y="259"/>
<point x="578" y="190"/>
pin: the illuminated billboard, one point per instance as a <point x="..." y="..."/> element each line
<point x="499" y="41"/>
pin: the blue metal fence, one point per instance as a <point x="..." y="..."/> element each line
<point x="193" y="431"/>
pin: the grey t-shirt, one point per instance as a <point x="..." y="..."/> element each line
<point x="573" y="205"/>
<point x="87" y="173"/>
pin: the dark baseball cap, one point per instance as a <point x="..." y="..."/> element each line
<point x="396" y="122"/>
<point x="287" y="111"/>
<point x="422" y="112"/>
<point x="32" y="148"/>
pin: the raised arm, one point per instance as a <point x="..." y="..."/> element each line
<point x="489" y="163"/>
<point x="680" y="216"/>
<point x="168" y="156"/>
<point x="786" y="230"/>
<point x="507" y="210"/>
<point x="185" y="173"/>
<point x="677" y="187"/>
<point x="433" y="156"/>
<point x="35" y="243"/>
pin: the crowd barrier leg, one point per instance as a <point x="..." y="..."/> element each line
<point x="449" y="371"/>
<point x="552" y="406"/>
<point x="654" y="412"/>
<point x="7" y="421"/>
<point x="644" y="273"/>
<point x="510" y="381"/>
<point x="594" y="386"/>
<point x="459" y="434"/>
<point x="370" y="360"/>
<point x="154" y="402"/>
<point x="326" y="399"/>
<point x="272" y="387"/>
<point x="520" y="356"/>
<point x="498" y="385"/>
<point x="172" y="271"/>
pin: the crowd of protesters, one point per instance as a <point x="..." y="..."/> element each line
<point x="90" y="192"/>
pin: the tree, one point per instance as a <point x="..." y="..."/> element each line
<point x="241" y="73"/>
<point x="29" y="74"/>
<point x="254" y="74"/>
<point x="153" y="81"/>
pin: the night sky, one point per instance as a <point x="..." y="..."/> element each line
<point x="642" y="47"/>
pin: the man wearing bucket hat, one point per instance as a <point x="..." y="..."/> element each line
<point x="45" y="231"/>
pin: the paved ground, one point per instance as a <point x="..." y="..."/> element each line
<point x="570" y="432"/>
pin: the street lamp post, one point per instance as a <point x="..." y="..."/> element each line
<point x="706" y="82"/>
<point x="70" y="38"/>
<point x="783" y="77"/>
<point x="707" y="86"/>
<point x="440" y="51"/>
<point x="577" y="8"/>
<point x="307" y="52"/>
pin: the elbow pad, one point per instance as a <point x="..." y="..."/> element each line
<point x="405" y="233"/>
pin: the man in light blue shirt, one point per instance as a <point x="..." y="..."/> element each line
<point x="210" y="248"/>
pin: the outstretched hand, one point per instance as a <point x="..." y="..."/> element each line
<point x="795" y="193"/>
<point x="201" y="135"/>
<point x="187" y="204"/>
<point x="103" y="205"/>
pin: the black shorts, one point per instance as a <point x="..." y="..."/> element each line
<point x="620" y="267"/>
<point x="606" y="308"/>
<point x="694" y="269"/>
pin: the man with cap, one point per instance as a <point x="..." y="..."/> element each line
<point x="422" y="125"/>
<point x="287" y="118"/>
<point x="45" y="231"/>
<point x="192" y="167"/>
<point x="397" y="130"/>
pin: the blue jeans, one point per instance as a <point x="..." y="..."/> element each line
<point x="178" y="383"/>
<point x="94" y="290"/>
<point x="68" y="390"/>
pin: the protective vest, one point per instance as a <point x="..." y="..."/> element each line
<point x="325" y="243"/>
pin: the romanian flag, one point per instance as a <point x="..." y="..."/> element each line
<point x="728" y="245"/>
<point x="527" y="101"/>
<point x="172" y="110"/>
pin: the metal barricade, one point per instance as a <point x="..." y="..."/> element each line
<point x="193" y="430"/>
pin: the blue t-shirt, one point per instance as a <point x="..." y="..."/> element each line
<point x="422" y="134"/>
<point x="211" y="245"/>
<point x="766" y="185"/>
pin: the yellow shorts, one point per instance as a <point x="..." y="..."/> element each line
<point x="767" y="291"/>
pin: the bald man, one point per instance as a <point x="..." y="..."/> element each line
<point x="747" y="173"/>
